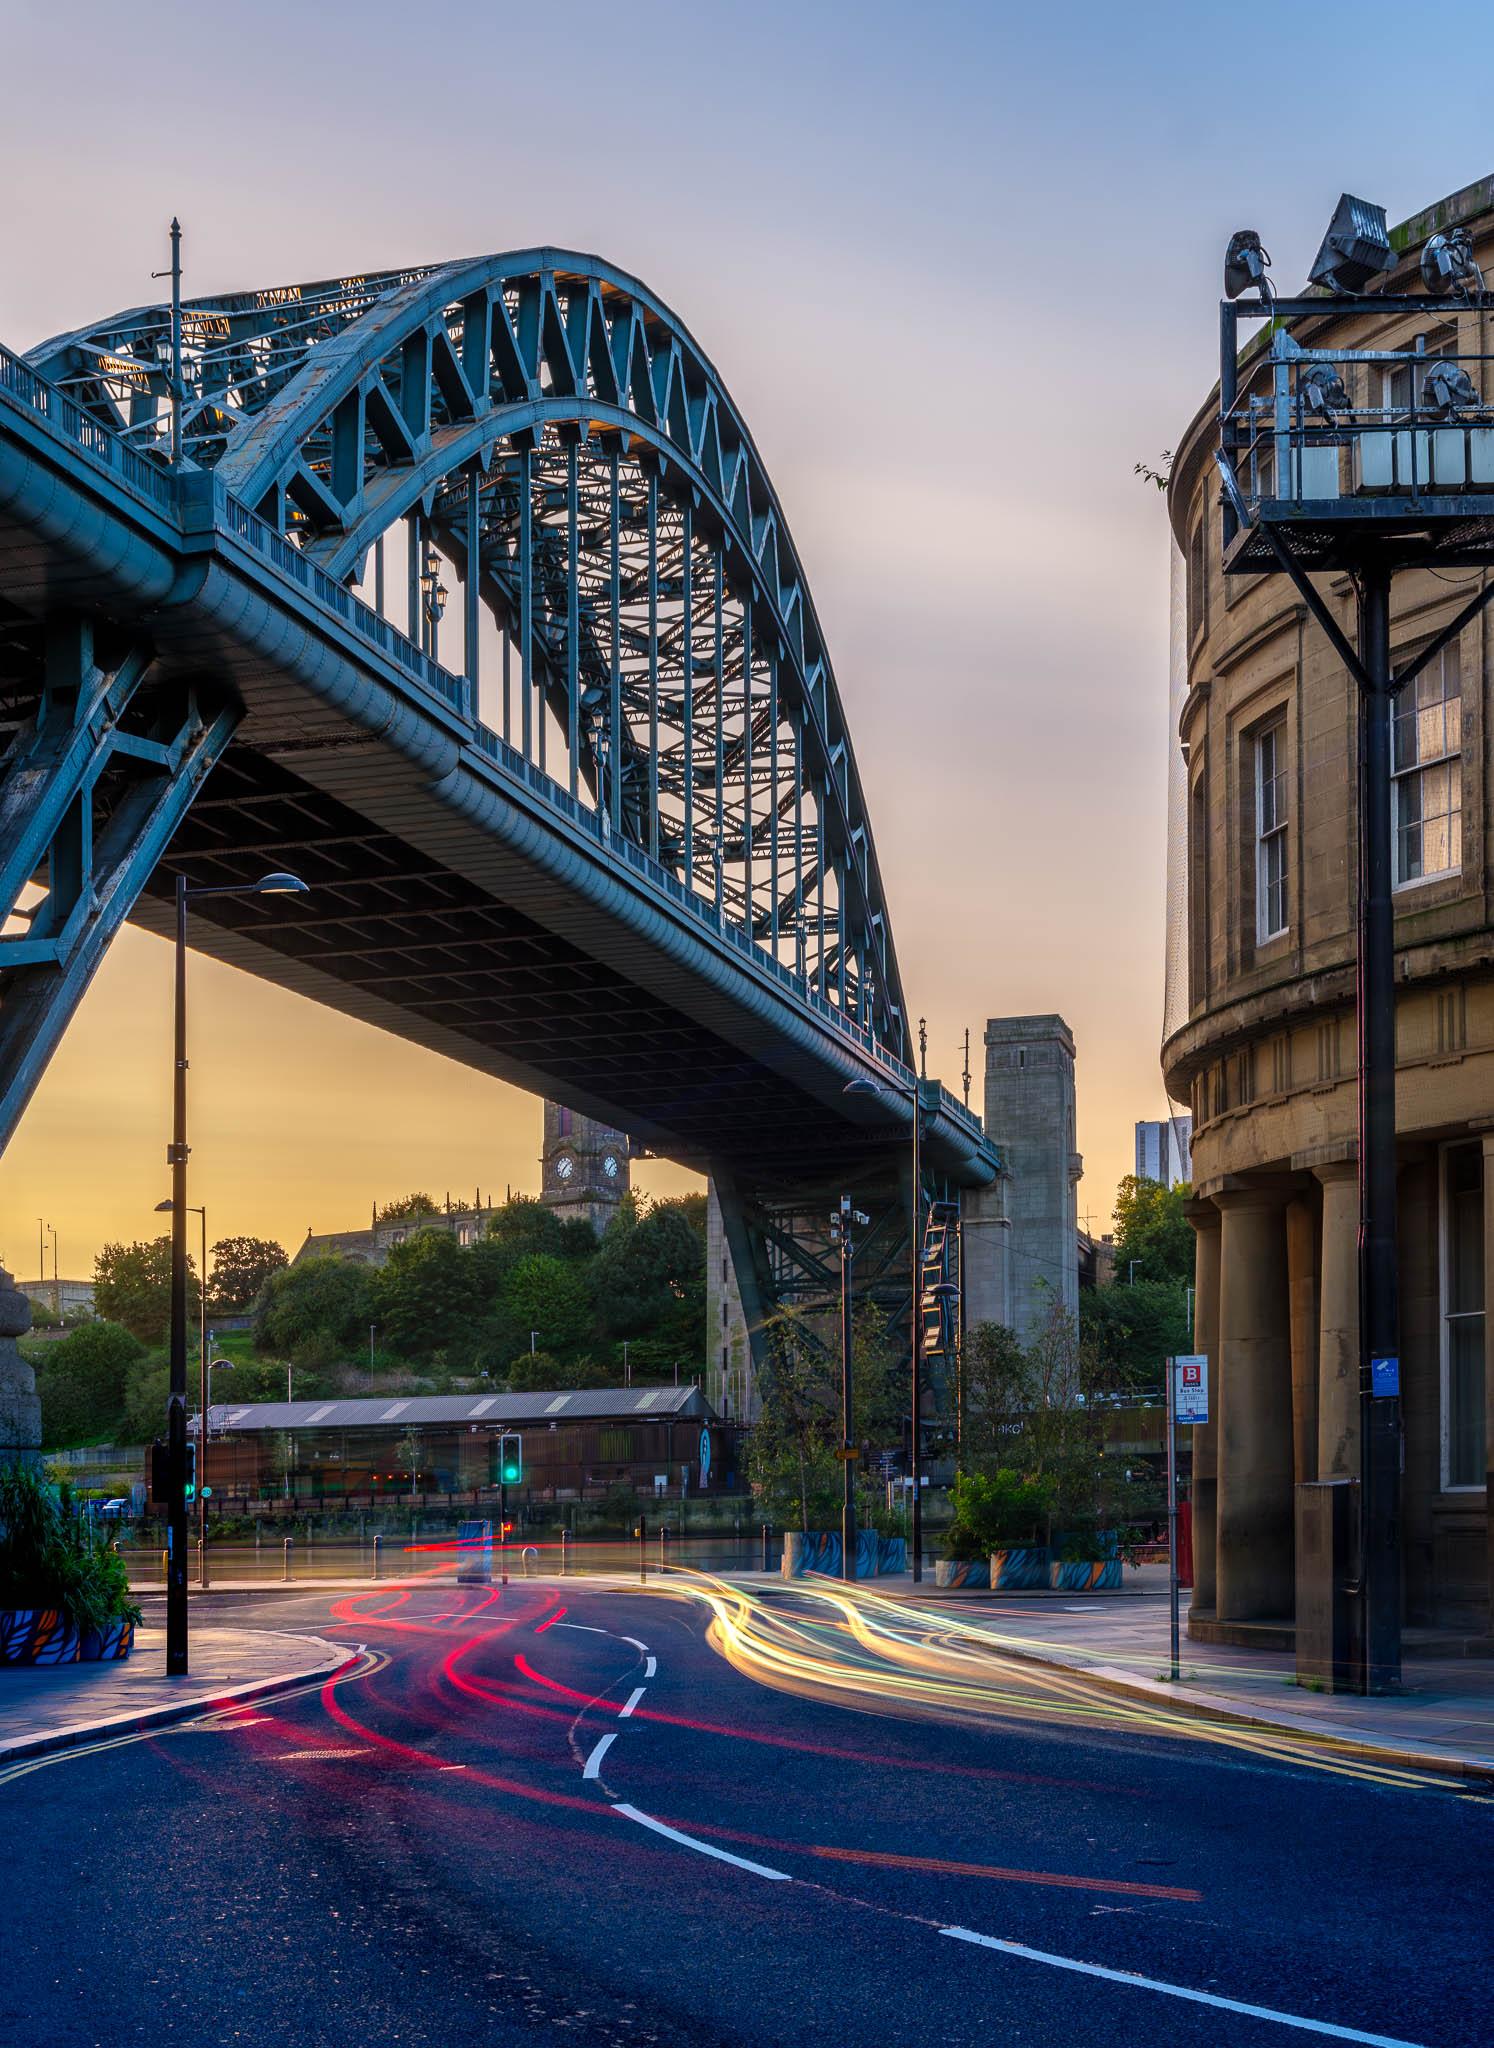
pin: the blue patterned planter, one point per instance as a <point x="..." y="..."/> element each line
<point x="1019" y="1571"/>
<point x="962" y="1571"/>
<point x="1097" y="1575"/>
<point x="37" y="1635"/>
<point x="819" y="1552"/>
<point x="107" y="1645"/>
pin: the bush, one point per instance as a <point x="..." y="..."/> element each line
<point x="82" y="1383"/>
<point x="45" y="1559"/>
<point x="995" y="1510"/>
<point x="314" y="1311"/>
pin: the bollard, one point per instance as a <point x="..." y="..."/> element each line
<point x="290" y="1544"/>
<point x="663" y="1537"/>
<point x="257" y="1534"/>
<point x="201" y="1574"/>
<point x="642" y="1551"/>
<point x="166" y="1566"/>
<point x="767" y="1550"/>
<point x="565" y="1553"/>
<point x="378" y="1549"/>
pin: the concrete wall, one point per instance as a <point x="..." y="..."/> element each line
<point x="1030" y="1116"/>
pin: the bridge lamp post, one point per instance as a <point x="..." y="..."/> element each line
<point x="176" y="1159"/>
<point x="841" y="1225"/>
<point x="914" y="1094"/>
<point x="165" y="1209"/>
<point x="434" y="594"/>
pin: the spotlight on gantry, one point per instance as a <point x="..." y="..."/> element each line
<point x="1322" y="392"/>
<point x="1449" y="389"/>
<point x="1448" y="266"/>
<point x="1356" y="248"/>
<point x="1245" y="264"/>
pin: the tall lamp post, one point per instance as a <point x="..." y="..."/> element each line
<point x="176" y="1159"/>
<point x="165" y="1209"/>
<point x="841" y="1224"/>
<point x="915" y="1095"/>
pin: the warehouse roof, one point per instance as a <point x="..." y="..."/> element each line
<point x="591" y="1404"/>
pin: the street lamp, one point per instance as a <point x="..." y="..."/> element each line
<point x="165" y="1209"/>
<point x="862" y="1087"/>
<point x="840" y="1230"/>
<point x="176" y="1159"/>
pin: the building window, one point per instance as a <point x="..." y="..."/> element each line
<point x="1403" y="388"/>
<point x="1197" y="579"/>
<point x="1427" y="765"/>
<point x="1270" y="832"/>
<point x="562" y="1122"/>
<point x="1463" y="1459"/>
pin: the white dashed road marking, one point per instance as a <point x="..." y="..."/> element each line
<point x="645" y="1820"/>
<point x="594" y="1761"/>
<point x="1136" y="1982"/>
<point x="633" y="1698"/>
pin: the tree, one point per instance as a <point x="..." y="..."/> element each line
<point x="540" y="1372"/>
<point x="546" y="1295"/>
<point x="82" y="1384"/>
<point x="147" y="1389"/>
<point x="314" y="1311"/>
<point x="791" y="1454"/>
<point x="423" y="1296"/>
<point x="1151" y="1231"/>
<point x="409" y="1209"/>
<point x="648" y="1278"/>
<point x="241" y="1266"/>
<point x="1135" y="1328"/>
<point x="132" y="1286"/>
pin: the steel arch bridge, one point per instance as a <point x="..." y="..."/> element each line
<point x="593" y="824"/>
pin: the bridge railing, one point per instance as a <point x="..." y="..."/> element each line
<point x="145" y="478"/>
<point x="148" y="480"/>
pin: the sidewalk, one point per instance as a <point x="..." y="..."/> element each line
<point x="57" y="1707"/>
<point x="1443" y="1719"/>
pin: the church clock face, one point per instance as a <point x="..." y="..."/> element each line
<point x="565" y="1166"/>
<point x="610" y="1166"/>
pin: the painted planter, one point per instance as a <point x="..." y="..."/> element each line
<point x="819" y="1552"/>
<point x="37" y="1635"/>
<point x="1015" y="1571"/>
<point x="108" y="1645"/>
<point x="962" y="1571"/>
<point x="1092" y="1575"/>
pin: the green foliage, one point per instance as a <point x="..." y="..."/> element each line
<point x="539" y="1371"/>
<point x="82" y="1384"/>
<point x="525" y="1224"/>
<point x="315" y="1310"/>
<point x="241" y="1266"/>
<point x="549" y="1296"/>
<point x="648" y="1278"/>
<point x="423" y="1296"/>
<point x="996" y="1510"/>
<point x="409" y="1209"/>
<point x="1135" y="1328"/>
<point x="791" y="1459"/>
<point x="1152" y="1231"/>
<point x="46" y="1559"/>
<point x="146" y="1390"/>
<point x="132" y="1285"/>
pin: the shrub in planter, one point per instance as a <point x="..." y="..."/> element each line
<point x="55" y="1591"/>
<point x="1087" y="1560"/>
<point x="997" y="1511"/>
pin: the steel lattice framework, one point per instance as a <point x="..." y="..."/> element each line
<point x="544" y="429"/>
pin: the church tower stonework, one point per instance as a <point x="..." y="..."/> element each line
<point x="584" y="1167"/>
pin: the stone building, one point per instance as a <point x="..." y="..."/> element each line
<point x="1021" y="1235"/>
<point x="1261" y="1038"/>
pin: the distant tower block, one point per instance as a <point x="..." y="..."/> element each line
<point x="585" y="1167"/>
<point x="1022" y="1244"/>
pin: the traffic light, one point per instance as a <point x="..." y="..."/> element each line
<point x="510" y="1458"/>
<point x="160" y="1473"/>
<point x="191" y="1468"/>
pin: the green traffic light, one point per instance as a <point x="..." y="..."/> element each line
<point x="510" y="1473"/>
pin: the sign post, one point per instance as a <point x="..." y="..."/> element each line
<point x="1187" y="1403"/>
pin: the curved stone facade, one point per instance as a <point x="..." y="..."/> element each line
<point x="1267" y="1055"/>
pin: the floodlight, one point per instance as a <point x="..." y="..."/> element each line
<point x="1245" y="265"/>
<point x="1356" y="248"/>
<point x="1447" y="265"/>
<point x="1449" y="389"/>
<point x="1322" y="392"/>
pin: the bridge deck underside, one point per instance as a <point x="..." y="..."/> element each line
<point x="387" y="934"/>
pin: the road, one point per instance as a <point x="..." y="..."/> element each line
<point x="588" y="1814"/>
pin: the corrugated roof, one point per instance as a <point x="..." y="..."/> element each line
<point x="415" y="1411"/>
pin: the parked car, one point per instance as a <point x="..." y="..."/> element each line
<point x="113" y="1509"/>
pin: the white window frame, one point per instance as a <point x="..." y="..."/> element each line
<point x="1270" y="840"/>
<point x="1444" y="1320"/>
<point x="1404" y="778"/>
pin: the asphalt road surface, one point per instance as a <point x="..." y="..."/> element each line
<point x="560" y="1813"/>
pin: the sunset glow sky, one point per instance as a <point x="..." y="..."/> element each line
<point x="959" y="267"/>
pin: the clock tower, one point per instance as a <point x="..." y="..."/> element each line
<point x="584" y="1167"/>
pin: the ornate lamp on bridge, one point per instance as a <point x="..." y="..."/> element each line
<point x="176" y="1159"/>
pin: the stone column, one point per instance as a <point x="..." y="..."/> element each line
<point x="20" y="1407"/>
<point x="1338" y="1323"/>
<point x="1488" y="1143"/>
<point x="1205" y="1220"/>
<point x="1302" y="1295"/>
<point x="1253" y="1568"/>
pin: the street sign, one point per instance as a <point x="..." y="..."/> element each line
<point x="1385" y="1376"/>
<point x="705" y="1458"/>
<point x="1191" y="1387"/>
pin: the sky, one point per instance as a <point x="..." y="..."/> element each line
<point x="958" y="266"/>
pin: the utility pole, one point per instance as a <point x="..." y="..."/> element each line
<point x="176" y="1407"/>
<point x="847" y="1405"/>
